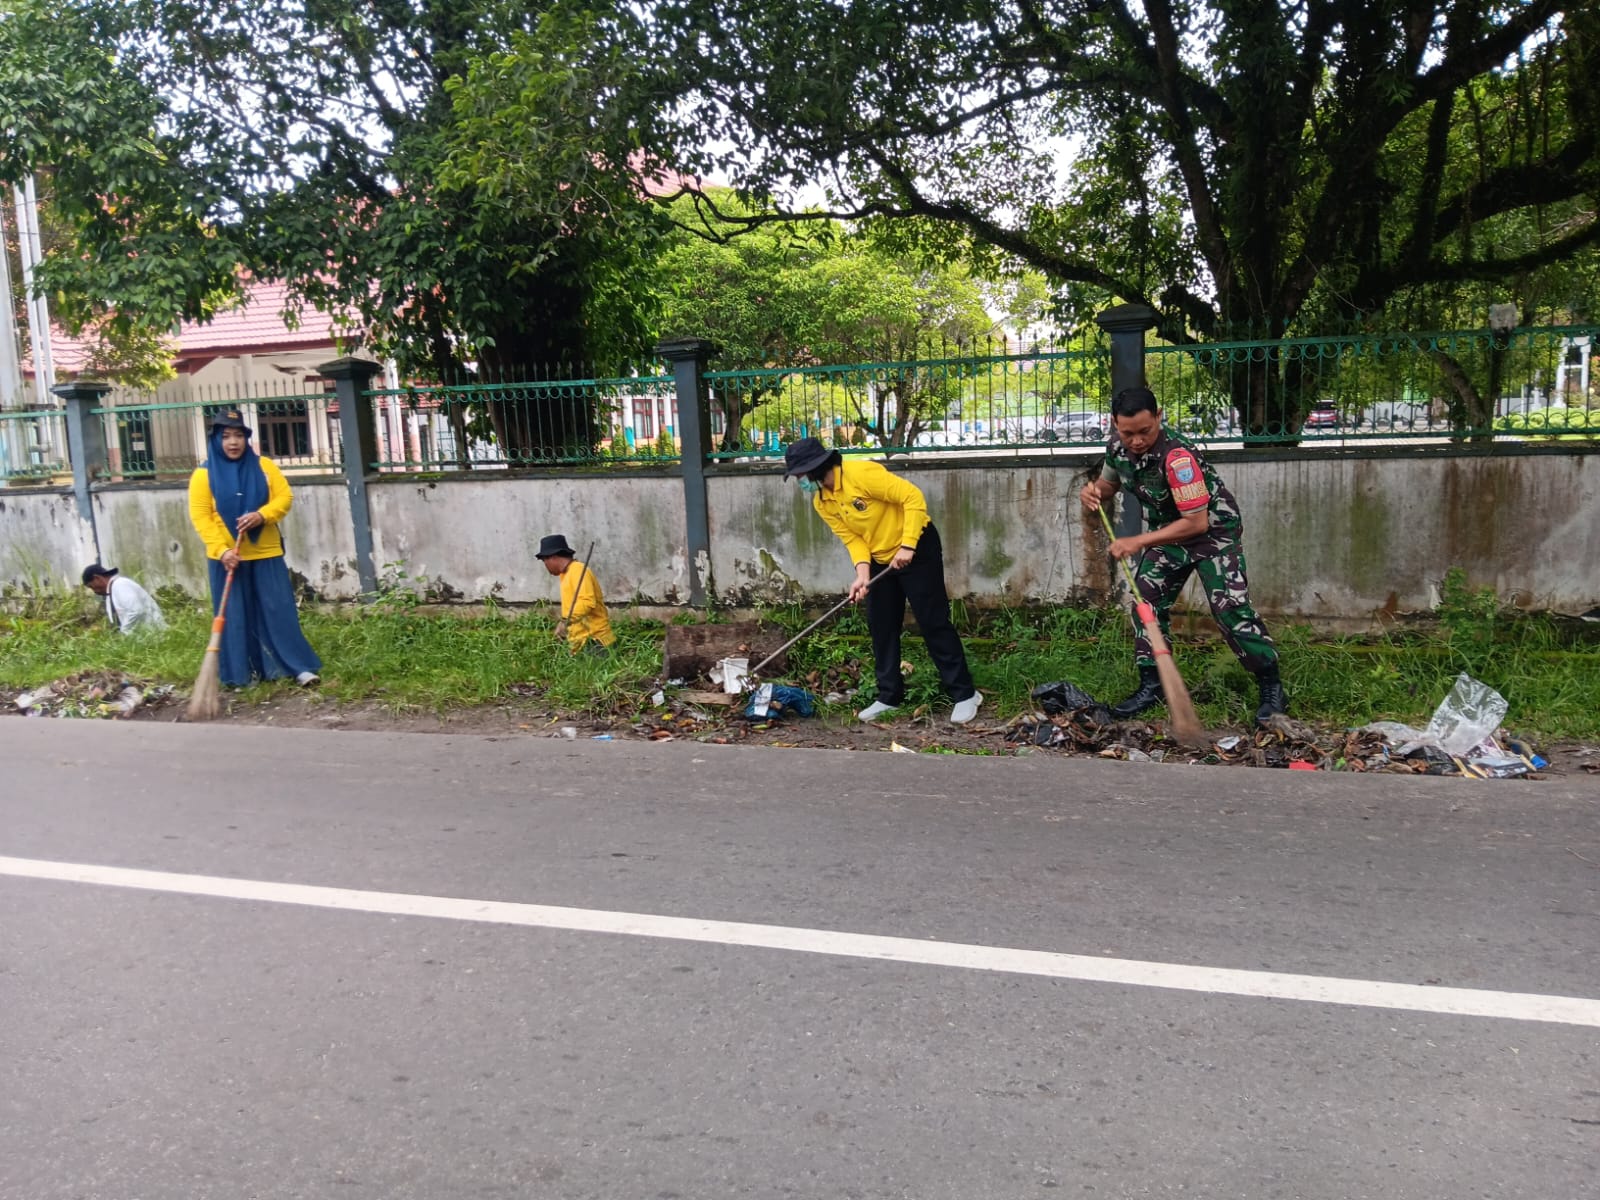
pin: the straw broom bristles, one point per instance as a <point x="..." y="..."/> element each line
<point x="205" y="702"/>
<point x="1183" y="721"/>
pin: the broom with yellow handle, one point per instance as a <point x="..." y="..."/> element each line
<point x="205" y="702"/>
<point x="1185" y="724"/>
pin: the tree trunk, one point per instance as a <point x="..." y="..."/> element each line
<point x="1471" y="411"/>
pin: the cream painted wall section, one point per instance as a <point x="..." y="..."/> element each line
<point x="1327" y="538"/>
<point x="43" y="540"/>
<point x="145" y="530"/>
<point x="1010" y="536"/>
<point x="477" y="536"/>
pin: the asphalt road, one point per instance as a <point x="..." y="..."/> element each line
<point x="321" y="1042"/>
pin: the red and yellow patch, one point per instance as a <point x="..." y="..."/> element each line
<point x="1187" y="481"/>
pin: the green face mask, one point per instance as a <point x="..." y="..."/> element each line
<point x="810" y="486"/>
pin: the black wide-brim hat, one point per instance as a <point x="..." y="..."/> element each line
<point x="804" y="457"/>
<point x="554" y="544"/>
<point x="230" y="419"/>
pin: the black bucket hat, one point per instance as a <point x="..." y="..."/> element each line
<point x="94" y="571"/>
<point x="553" y="545"/>
<point x="230" y="419"/>
<point x="804" y="457"/>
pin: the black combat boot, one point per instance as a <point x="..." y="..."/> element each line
<point x="1272" y="698"/>
<point x="1148" y="696"/>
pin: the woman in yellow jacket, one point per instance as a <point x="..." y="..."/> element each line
<point x="236" y="501"/>
<point x="883" y="521"/>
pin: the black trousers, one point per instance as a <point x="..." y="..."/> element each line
<point x="921" y="585"/>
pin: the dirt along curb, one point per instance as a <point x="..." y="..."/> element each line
<point x="1294" y="745"/>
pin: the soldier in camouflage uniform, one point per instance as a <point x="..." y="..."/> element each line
<point x="1193" y="526"/>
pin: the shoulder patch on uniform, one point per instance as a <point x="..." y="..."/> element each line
<point x="1181" y="467"/>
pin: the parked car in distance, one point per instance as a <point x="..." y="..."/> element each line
<point x="1075" y="427"/>
<point x="1210" y="424"/>
<point x="1322" y="416"/>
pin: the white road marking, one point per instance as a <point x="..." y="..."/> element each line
<point x="1367" y="993"/>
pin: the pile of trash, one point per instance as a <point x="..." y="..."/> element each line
<point x="93" y="695"/>
<point x="1462" y="738"/>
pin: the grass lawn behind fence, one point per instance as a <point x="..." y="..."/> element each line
<point x="395" y="655"/>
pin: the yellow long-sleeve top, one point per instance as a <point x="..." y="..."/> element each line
<point x="215" y="533"/>
<point x="589" y="617"/>
<point x="873" y="511"/>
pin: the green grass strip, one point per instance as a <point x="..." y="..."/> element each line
<point x="400" y="657"/>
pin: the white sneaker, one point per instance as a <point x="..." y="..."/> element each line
<point x="875" y="710"/>
<point x="307" y="678"/>
<point x="966" y="710"/>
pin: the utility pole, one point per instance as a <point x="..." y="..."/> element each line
<point x="10" y="356"/>
<point x="44" y="371"/>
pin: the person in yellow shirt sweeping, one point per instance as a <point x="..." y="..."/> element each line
<point x="584" y="620"/>
<point x="883" y="522"/>
<point x="236" y="502"/>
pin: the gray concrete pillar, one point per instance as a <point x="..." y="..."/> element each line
<point x="1127" y="325"/>
<point x="86" y="441"/>
<point x="688" y="357"/>
<point x="358" y="432"/>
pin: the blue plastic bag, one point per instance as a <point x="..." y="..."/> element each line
<point x="771" y="701"/>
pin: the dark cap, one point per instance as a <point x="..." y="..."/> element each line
<point x="230" y="418"/>
<point x="804" y="457"/>
<point x="94" y="570"/>
<point x="554" y="544"/>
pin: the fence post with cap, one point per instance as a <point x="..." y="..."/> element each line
<point x="352" y="378"/>
<point x="688" y="357"/>
<point x="1127" y="324"/>
<point x="86" y="443"/>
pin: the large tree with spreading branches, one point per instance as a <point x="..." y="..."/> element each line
<point x="1240" y="167"/>
<point x="186" y="142"/>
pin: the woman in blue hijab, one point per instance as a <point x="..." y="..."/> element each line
<point x="236" y="501"/>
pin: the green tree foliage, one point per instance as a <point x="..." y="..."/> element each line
<point x="806" y="294"/>
<point x="1234" y="166"/>
<point x="333" y="146"/>
<point x="89" y="128"/>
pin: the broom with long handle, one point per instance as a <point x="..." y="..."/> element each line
<point x="1185" y="724"/>
<point x="756" y="670"/>
<point x="573" y="607"/>
<point x="205" y="702"/>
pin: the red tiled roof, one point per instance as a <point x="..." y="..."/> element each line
<point x="257" y="323"/>
<point x="255" y="327"/>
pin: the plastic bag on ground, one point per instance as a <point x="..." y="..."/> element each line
<point x="1063" y="697"/>
<point x="1465" y="718"/>
<point x="771" y="701"/>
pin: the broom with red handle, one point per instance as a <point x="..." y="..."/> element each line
<point x="205" y="702"/>
<point x="1180" y="709"/>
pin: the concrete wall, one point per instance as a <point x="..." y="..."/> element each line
<point x="476" y="533"/>
<point x="145" y="531"/>
<point x="1010" y="534"/>
<point x="43" y="541"/>
<point x="1348" y="537"/>
<point x="1329" y="536"/>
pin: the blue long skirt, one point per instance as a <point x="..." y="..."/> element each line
<point x="261" y="637"/>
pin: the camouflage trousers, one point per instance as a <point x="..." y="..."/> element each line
<point x="1219" y="560"/>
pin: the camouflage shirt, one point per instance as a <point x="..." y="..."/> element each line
<point x="1171" y="480"/>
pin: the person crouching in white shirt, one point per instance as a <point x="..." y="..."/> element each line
<point x="128" y="606"/>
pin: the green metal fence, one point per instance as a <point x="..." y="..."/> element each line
<point x="33" y="447"/>
<point x="147" y="438"/>
<point x="580" y="422"/>
<point x="1408" y="387"/>
<point x="1027" y="400"/>
<point x="1405" y="388"/>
